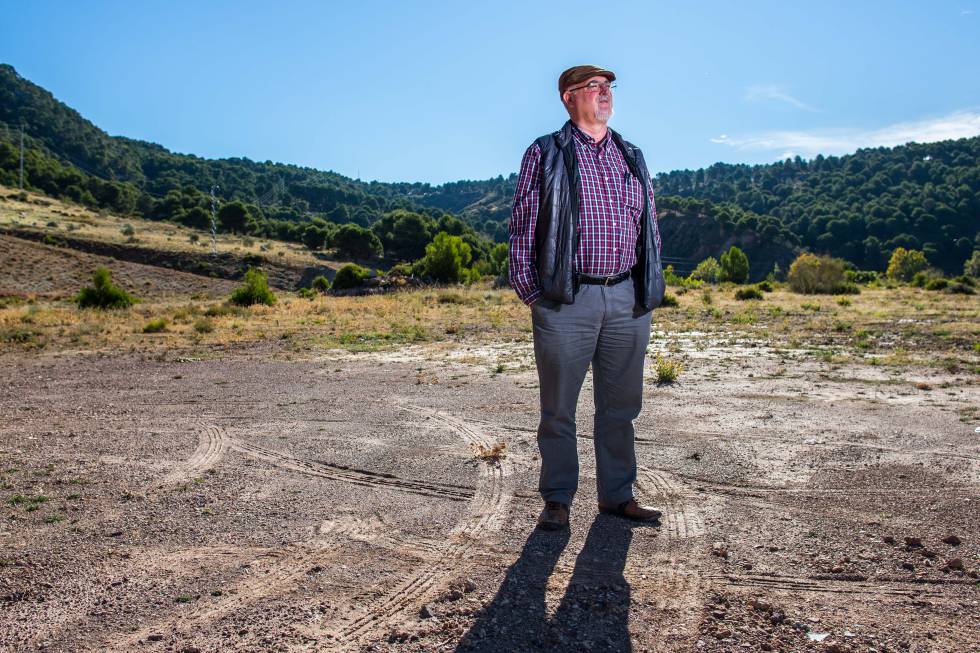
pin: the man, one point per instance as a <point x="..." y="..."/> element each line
<point x="585" y="255"/>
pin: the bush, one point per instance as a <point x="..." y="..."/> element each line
<point x="320" y="284"/>
<point x="960" y="289"/>
<point x="667" y="370"/>
<point x="128" y="230"/>
<point x="743" y="294"/>
<point x="103" y="293"/>
<point x="764" y="286"/>
<point x="811" y="274"/>
<point x="671" y="277"/>
<point x="971" y="267"/>
<point x="255" y="291"/>
<point x="904" y="263"/>
<point x="350" y="276"/>
<point x="861" y="276"/>
<point x="970" y="281"/>
<point x="707" y="270"/>
<point x="734" y="266"/>
<point x="400" y="270"/>
<point x="204" y="326"/>
<point x="937" y="284"/>
<point x="447" y="259"/>
<point x="669" y="301"/>
<point x="155" y="326"/>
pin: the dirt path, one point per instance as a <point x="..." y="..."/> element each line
<point x="255" y="503"/>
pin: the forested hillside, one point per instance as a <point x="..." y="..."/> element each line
<point x="859" y="207"/>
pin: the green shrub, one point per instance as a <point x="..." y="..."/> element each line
<point x="667" y="370"/>
<point x="671" y="277"/>
<point x="400" y="270"/>
<point x="860" y="276"/>
<point x="669" y="301"/>
<point x="968" y="280"/>
<point x="447" y="259"/>
<point x="751" y="292"/>
<point x="128" y="230"/>
<point x="764" y="286"/>
<point x="904" y="263"/>
<point x="255" y="291"/>
<point x="960" y="289"/>
<point x="320" y="284"/>
<point x="103" y="294"/>
<point x="937" y="284"/>
<point x="350" y="276"/>
<point x="811" y="274"/>
<point x="734" y="266"/>
<point x="971" y="268"/>
<point x="707" y="270"/>
<point x="155" y="326"/>
<point x="846" y="289"/>
<point x="204" y="326"/>
<point x="307" y="293"/>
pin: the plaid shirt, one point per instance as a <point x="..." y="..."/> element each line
<point x="610" y="210"/>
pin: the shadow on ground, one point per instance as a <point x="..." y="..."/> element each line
<point x="593" y="613"/>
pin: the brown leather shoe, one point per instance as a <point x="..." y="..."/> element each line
<point x="631" y="510"/>
<point x="554" y="516"/>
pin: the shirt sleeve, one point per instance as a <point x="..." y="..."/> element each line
<point x="523" y="218"/>
<point x="653" y="214"/>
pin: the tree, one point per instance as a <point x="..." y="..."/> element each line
<point x="734" y="265"/>
<point x="905" y="263"/>
<point x="447" y="259"/>
<point x="233" y="216"/>
<point x="357" y="242"/>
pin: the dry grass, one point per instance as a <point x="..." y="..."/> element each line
<point x="491" y="454"/>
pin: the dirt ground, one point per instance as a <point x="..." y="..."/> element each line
<point x="250" y="499"/>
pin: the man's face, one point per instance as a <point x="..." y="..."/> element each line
<point x="590" y="100"/>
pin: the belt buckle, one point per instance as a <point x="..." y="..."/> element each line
<point x="605" y="282"/>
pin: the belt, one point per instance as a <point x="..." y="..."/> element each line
<point x="603" y="281"/>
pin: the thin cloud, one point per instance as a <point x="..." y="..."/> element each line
<point x="773" y="92"/>
<point x="960" y="124"/>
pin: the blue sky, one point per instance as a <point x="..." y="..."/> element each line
<point x="435" y="92"/>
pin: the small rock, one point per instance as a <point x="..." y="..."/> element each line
<point x="951" y="540"/>
<point x="468" y="586"/>
<point x="888" y="539"/>
<point x="115" y="534"/>
<point x="837" y="570"/>
<point x="452" y="595"/>
<point x="908" y="566"/>
<point x="765" y="646"/>
<point x="913" y="542"/>
<point x="718" y="614"/>
<point x="955" y="564"/>
<point x="777" y="617"/>
<point x="190" y="649"/>
<point x="155" y="637"/>
<point x="761" y="606"/>
<point x="720" y="549"/>
<point x="428" y="611"/>
<point x="928" y="553"/>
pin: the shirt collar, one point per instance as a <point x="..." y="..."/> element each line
<point x="585" y="139"/>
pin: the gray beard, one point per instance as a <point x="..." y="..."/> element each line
<point x="603" y="115"/>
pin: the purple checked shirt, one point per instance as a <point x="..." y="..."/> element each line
<point x="610" y="209"/>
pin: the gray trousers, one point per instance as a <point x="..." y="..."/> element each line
<point x="600" y="328"/>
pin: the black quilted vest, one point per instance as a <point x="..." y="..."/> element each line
<point x="556" y="233"/>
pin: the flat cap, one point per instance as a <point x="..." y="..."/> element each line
<point x="578" y="74"/>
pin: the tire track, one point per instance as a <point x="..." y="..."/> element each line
<point x="213" y="442"/>
<point x="485" y="514"/>
<point x="678" y="519"/>
<point x="889" y="587"/>
<point x="353" y="475"/>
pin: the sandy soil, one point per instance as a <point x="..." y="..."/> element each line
<point x="243" y="501"/>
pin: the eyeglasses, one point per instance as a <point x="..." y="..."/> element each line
<point x="592" y="87"/>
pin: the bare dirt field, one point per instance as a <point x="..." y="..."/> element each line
<point x="244" y="501"/>
<point x="318" y="475"/>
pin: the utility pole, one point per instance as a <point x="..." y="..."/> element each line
<point x="22" y="157"/>
<point x="214" y="222"/>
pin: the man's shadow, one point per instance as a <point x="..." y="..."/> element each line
<point x="594" y="612"/>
